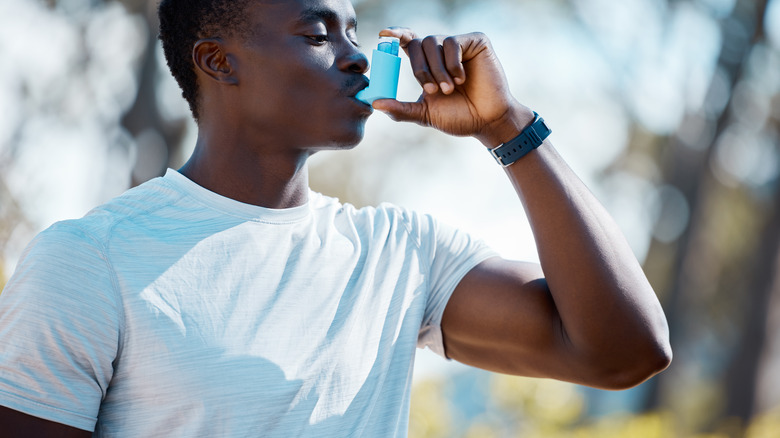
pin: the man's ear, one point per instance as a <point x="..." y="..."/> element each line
<point x="209" y="56"/>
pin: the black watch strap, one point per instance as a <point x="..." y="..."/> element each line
<point x="528" y="140"/>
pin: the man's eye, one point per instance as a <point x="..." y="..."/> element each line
<point x="352" y="35"/>
<point x="319" y="39"/>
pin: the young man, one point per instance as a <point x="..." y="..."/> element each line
<point x="226" y="299"/>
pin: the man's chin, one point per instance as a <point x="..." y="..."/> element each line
<point x="342" y="146"/>
<point x="347" y="141"/>
<point x="348" y="135"/>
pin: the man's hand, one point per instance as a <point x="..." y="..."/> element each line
<point x="465" y="91"/>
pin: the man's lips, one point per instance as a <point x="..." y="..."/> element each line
<point x="363" y="86"/>
<point x="357" y="85"/>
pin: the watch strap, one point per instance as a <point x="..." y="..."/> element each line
<point x="529" y="139"/>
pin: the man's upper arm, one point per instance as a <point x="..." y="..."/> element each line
<point x="19" y="425"/>
<point x="501" y="317"/>
<point x="59" y="329"/>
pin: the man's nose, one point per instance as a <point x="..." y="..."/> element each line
<point x="353" y="60"/>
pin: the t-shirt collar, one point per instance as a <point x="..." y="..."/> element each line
<point x="233" y="207"/>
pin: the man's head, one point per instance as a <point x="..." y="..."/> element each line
<point x="286" y="70"/>
<point x="184" y="22"/>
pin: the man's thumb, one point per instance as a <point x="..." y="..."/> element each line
<point x="402" y="111"/>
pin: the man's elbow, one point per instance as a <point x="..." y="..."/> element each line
<point x="638" y="368"/>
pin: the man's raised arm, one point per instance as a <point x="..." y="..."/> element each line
<point x="587" y="313"/>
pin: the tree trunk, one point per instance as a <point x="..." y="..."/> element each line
<point x="688" y="169"/>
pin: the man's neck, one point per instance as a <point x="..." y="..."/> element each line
<point x="249" y="174"/>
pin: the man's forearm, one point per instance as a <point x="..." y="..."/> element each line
<point x="608" y="309"/>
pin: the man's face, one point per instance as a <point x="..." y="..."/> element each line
<point x="298" y="73"/>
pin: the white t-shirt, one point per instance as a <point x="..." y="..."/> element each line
<point x="174" y="311"/>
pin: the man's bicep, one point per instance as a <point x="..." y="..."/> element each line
<point x="20" y="425"/>
<point x="501" y="317"/>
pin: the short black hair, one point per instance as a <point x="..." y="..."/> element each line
<point x="184" y="22"/>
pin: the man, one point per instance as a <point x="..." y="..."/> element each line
<point x="227" y="299"/>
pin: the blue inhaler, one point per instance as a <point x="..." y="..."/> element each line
<point x="385" y="69"/>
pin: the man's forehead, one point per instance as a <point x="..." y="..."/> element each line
<point x="305" y="10"/>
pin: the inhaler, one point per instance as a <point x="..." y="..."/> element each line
<point x="385" y="69"/>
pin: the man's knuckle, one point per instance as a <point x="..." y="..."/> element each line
<point x="430" y="41"/>
<point x="483" y="39"/>
<point x="450" y="41"/>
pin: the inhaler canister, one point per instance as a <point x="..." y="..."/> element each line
<point x="385" y="69"/>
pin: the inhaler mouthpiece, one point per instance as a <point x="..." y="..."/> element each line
<point x="385" y="69"/>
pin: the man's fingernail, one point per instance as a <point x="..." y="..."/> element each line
<point x="459" y="81"/>
<point x="445" y="87"/>
<point x="430" y="88"/>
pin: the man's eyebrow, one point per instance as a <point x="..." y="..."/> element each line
<point x="321" y="14"/>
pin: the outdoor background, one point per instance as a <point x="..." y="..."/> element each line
<point x="669" y="110"/>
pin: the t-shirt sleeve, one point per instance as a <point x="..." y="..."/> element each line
<point x="452" y="253"/>
<point x="59" y="329"/>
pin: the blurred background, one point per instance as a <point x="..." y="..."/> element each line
<point x="669" y="110"/>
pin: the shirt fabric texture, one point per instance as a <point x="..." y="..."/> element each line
<point x="174" y="311"/>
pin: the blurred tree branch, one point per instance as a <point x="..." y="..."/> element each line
<point x="144" y="116"/>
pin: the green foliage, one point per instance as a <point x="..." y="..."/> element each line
<point x="541" y="408"/>
<point x="431" y="412"/>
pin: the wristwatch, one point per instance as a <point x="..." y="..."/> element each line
<point x="528" y="140"/>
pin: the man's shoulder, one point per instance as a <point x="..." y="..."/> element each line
<point x="97" y="224"/>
